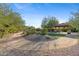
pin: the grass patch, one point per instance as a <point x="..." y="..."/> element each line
<point x="51" y="37"/>
<point x="56" y="34"/>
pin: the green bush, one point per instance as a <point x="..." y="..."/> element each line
<point x="44" y="31"/>
<point x="10" y="21"/>
<point x="29" y="31"/>
<point x="38" y="31"/>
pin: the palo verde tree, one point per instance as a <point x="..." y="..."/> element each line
<point x="74" y="21"/>
<point x="10" y="21"/>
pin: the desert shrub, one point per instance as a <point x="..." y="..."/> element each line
<point x="44" y="31"/>
<point x="29" y="30"/>
<point x="38" y="31"/>
<point x="10" y="21"/>
<point x="74" y="30"/>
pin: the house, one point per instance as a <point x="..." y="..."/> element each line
<point x="60" y="27"/>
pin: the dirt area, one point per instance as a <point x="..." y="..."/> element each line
<point x="38" y="45"/>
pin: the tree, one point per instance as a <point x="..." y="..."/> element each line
<point x="10" y="21"/>
<point x="52" y="21"/>
<point x="44" y="22"/>
<point x="74" y="21"/>
<point x="49" y="22"/>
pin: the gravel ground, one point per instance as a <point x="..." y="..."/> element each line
<point x="37" y="45"/>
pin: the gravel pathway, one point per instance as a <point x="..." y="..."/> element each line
<point x="37" y="45"/>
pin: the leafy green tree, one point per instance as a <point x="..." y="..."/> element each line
<point x="44" y="22"/>
<point x="10" y="21"/>
<point x="74" y="21"/>
<point x="52" y="21"/>
<point x="49" y="22"/>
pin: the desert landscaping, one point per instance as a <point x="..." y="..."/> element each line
<point x="25" y="32"/>
<point x="39" y="45"/>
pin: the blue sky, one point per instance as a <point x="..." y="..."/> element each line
<point x="34" y="13"/>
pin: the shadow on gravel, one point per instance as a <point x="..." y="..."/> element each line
<point x="38" y="38"/>
<point x="33" y="38"/>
